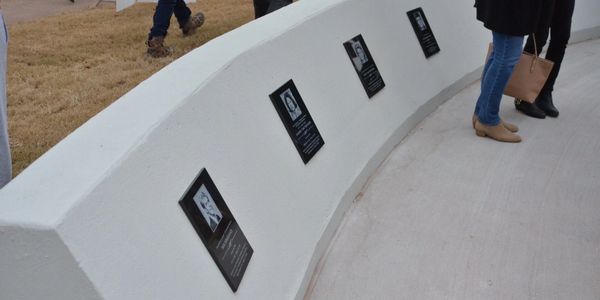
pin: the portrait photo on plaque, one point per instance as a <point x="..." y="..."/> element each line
<point x="214" y="223"/>
<point x="208" y="208"/>
<point x="364" y="65"/>
<point x="291" y="104"/>
<point x="420" y="20"/>
<point x="423" y="32"/>
<point x="297" y="120"/>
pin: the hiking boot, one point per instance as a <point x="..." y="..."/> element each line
<point x="157" y="48"/>
<point x="193" y="23"/>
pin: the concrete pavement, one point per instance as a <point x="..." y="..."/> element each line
<point x="454" y="216"/>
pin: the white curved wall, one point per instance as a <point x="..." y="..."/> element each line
<point x="97" y="216"/>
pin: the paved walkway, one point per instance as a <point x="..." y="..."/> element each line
<point x="454" y="216"/>
<point x="26" y="10"/>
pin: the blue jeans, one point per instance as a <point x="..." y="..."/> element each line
<point x="162" y="16"/>
<point x="496" y="73"/>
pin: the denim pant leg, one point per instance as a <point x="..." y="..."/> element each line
<point x="182" y="12"/>
<point x="162" y="18"/>
<point x="507" y="51"/>
<point x="486" y="68"/>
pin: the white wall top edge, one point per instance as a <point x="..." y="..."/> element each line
<point x="110" y="135"/>
<point x="101" y="207"/>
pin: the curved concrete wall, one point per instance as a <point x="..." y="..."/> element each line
<point x="97" y="216"/>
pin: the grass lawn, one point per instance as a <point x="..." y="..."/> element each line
<point x="63" y="70"/>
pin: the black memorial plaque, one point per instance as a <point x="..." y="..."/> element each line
<point x="423" y="32"/>
<point x="297" y="120"/>
<point x="217" y="228"/>
<point x="364" y="65"/>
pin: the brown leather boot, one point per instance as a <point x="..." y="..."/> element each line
<point x="193" y="23"/>
<point x="511" y="127"/>
<point x="157" y="48"/>
<point x="498" y="133"/>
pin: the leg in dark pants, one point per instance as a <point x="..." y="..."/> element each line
<point x="277" y="4"/>
<point x="560" y="32"/>
<point x="162" y="16"/>
<point x="260" y="8"/>
<point x="263" y="7"/>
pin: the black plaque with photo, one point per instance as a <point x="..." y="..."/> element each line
<point x="297" y="120"/>
<point x="423" y="32"/>
<point x="364" y="65"/>
<point x="217" y="228"/>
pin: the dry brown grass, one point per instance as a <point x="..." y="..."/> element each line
<point x="65" y="69"/>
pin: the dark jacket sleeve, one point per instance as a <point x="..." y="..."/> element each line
<point x="512" y="17"/>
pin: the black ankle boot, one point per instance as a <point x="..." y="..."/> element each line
<point x="544" y="102"/>
<point x="529" y="109"/>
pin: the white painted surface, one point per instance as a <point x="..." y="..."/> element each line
<point x="108" y="193"/>
<point x="586" y="15"/>
<point x="453" y="216"/>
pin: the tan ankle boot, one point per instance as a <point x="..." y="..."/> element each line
<point x="498" y="133"/>
<point x="509" y="126"/>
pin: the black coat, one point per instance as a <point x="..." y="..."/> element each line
<point x="513" y="17"/>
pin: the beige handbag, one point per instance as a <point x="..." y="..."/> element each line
<point x="529" y="76"/>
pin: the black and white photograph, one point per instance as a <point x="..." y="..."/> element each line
<point x="208" y="208"/>
<point x="420" y="22"/>
<point x="297" y="120"/>
<point x="423" y="31"/>
<point x="360" y="52"/>
<point x="214" y="223"/>
<point x="290" y="103"/>
<point x="364" y="65"/>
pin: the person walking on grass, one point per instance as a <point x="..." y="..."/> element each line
<point x="559" y="29"/>
<point x="509" y="21"/>
<point x="161" y="21"/>
<point x="5" y="159"/>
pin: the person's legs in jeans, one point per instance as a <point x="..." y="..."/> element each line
<point x="486" y="67"/>
<point x="506" y="54"/>
<point x="182" y="13"/>
<point x="162" y="18"/>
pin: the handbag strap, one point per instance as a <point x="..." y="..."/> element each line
<point x="535" y="45"/>
<point x="535" y="58"/>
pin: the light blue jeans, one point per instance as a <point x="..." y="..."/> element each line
<point x="496" y="73"/>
